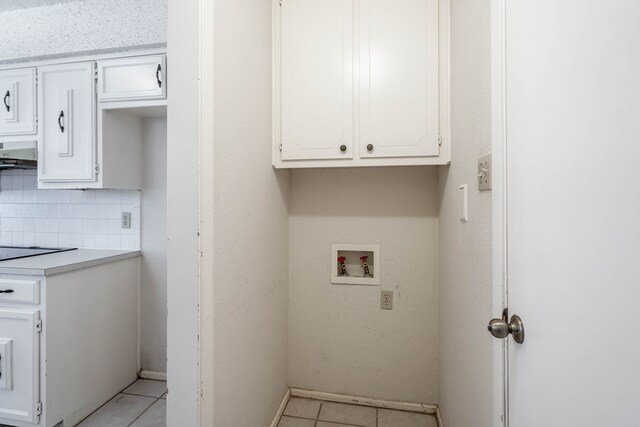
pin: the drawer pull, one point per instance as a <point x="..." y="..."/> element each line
<point x="7" y="291"/>
<point x="6" y="104"/>
<point x="158" y="75"/>
<point x="60" y="117"/>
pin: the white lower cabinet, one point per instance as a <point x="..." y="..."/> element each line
<point x="68" y="342"/>
<point x="19" y="365"/>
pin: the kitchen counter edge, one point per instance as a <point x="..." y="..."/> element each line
<point x="62" y="262"/>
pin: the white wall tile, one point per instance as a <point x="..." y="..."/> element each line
<point x="70" y="218"/>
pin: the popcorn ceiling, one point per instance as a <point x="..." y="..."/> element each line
<point x="87" y="26"/>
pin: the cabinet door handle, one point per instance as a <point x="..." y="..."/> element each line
<point x="6" y="291"/>
<point x="158" y="70"/>
<point x="60" y="117"/>
<point x="6" y="104"/>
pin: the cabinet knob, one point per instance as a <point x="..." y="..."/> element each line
<point x="343" y="148"/>
<point x="369" y="147"/>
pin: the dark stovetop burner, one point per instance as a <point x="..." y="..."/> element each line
<point x="14" y="252"/>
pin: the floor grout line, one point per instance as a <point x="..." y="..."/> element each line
<point x="126" y="394"/>
<point x="318" y="414"/>
<point x="142" y="413"/>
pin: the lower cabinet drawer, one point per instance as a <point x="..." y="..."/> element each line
<point x="20" y="291"/>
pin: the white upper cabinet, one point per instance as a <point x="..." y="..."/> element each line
<point x="317" y="79"/>
<point x="399" y="78"/>
<point x="361" y="83"/>
<point x="18" y="108"/>
<point x="135" y="78"/>
<point x="67" y="135"/>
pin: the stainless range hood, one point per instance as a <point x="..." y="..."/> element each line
<point x="18" y="155"/>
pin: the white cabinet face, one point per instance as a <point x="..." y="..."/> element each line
<point x="18" y="108"/>
<point x="399" y="81"/>
<point x="142" y="77"/>
<point x="67" y="135"/>
<point x="317" y="79"/>
<point x="19" y="366"/>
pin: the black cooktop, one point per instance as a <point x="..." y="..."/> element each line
<point x="14" y="252"/>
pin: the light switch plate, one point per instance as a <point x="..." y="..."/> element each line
<point x="6" y="368"/>
<point x="484" y="173"/>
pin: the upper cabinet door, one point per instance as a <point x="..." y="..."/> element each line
<point x="399" y="100"/>
<point x="67" y="135"/>
<point x="18" y="108"/>
<point x="126" y="79"/>
<point x="317" y="79"/>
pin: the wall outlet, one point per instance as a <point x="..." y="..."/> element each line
<point x="386" y="300"/>
<point x="126" y="219"/>
<point x="484" y="173"/>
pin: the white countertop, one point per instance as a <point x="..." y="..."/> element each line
<point x="60" y="262"/>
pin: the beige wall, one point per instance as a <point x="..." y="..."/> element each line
<point x="250" y="271"/>
<point x="340" y="340"/>
<point x="465" y="249"/>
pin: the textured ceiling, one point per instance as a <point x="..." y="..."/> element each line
<point x="60" y="28"/>
<point x="25" y="4"/>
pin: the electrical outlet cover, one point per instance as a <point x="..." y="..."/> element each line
<point x="386" y="300"/>
<point x="126" y="219"/>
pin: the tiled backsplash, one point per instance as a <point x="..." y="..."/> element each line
<point x="67" y="218"/>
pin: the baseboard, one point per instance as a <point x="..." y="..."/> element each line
<point x="439" y="418"/>
<point x="422" y="408"/>
<point x="283" y="405"/>
<point x="151" y="375"/>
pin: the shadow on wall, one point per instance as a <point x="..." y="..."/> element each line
<point x="380" y="192"/>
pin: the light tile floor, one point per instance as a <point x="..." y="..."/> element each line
<point x="316" y="413"/>
<point x="142" y="404"/>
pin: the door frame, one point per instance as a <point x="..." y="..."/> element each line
<point x="190" y="213"/>
<point x="500" y="230"/>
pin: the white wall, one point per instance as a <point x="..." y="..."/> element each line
<point x="153" y="265"/>
<point x="465" y="248"/>
<point x="42" y="29"/>
<point x="340" y="340"/>
<point x="69" y="218"/>
<point x="250" y="271"/>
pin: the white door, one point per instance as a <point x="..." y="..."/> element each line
<point x="19" y="366"/>
<point x="399" y="99"/>
<point x="317" y="79"/>
<point x="18" y="107"/>
<point x="573" y="146"/>
<point x="67" y="132"/>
